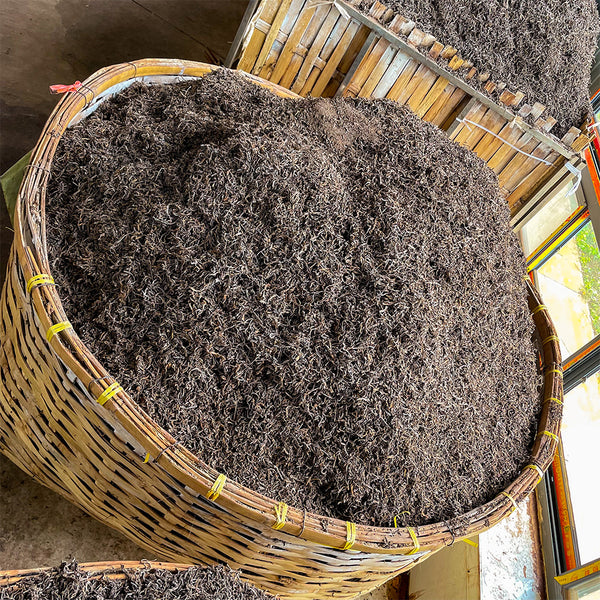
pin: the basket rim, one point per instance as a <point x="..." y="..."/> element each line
<point x="114" y="567"/>
<point x="31" y="253"/>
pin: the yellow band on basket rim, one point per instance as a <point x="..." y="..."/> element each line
<point x="413" y="536"/>
<point x="536" y="468"/>
<point x="550" y="338"/>
<point x="41" y="279"/>
<point x="471" y="543"/>
<point x="280" y="514"/>
<point x="553" y="399"/>
<point x="514" y="502"/>
<point x="217" y="487"/>
<point x="554" y="371"/>
<point x="538" y="308"/>
<point x="108" y="393"/>
<point x="549" y="434"/>
<point x="147" y="458"/>
<point x="350" y="535"/>
<point x="52" y="331"/>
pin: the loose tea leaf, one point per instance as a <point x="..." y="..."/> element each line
<point x="543" y="48"/>
<point x="70" y="582"/>
<point x="323" y="299"/>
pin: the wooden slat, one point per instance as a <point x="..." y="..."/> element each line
<point x="536" y="178"/>
<point x="505" y="153"/>
<point x="571" y="136"/>
<point x="276" y="55"/>
<point x="366" y="66"/>
<point x="242" y="31"/>
<point x="495" y="123"/>
<point x="506" y="133"/>
<point x="436" y="49"/>
<point x="350" y="59"/>
<point x="581" y="142"/>
<point x="460" y="131"/>
<point x="309" y="36"/>
<point x="358" y="59"/>
<point x="521" y="166"/>
<point x="445" y="106"/>
<point x="399" y="88"/>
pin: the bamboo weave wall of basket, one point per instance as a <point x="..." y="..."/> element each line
<point x="326" y="48"/>
<point x="118" y="465"/>
<point x="110" y="570"/>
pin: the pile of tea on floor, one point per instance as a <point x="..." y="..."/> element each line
<point x="322" y="299"/>
<point x="70" y="582"/>
<point x="543" y="48"/>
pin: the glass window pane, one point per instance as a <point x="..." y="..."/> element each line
<point x="569" y="282"/>
<point x="581" y="446"/>
<point x="538" y="228"/>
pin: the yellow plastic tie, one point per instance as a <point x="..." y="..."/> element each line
<point x="471" y="543"/>
<point x="552" y="399"/>
<point x="350" y="535"/>
<point x="538" y="308"/>
<point x="550" y="338"/>
<point x="280" y="512"/>
<point x="147" y="459"/>
<point x="549" y="434"/>
<point x="514" y="503"/>
<point x="550" y="371"/>
<point x="108" y="393"/>
<point x="57" y="329"/>
<point x="539" y="471"/>
<point x="413" y="535"/>
<point x="41" y="279"/>
<point x="217" y="487"/>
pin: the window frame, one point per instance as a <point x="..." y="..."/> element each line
<point x="558" y="533"/>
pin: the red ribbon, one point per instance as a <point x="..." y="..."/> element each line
<point x="63" y="89"/>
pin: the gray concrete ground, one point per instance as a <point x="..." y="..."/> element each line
<point x="43" y="42"/>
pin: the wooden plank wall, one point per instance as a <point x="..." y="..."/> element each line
<point x="325" y="48"/>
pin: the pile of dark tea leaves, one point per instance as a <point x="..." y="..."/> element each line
<point x="322" y="298"/>
<point x="70" y="582"/>
<point x="543" y="48"/>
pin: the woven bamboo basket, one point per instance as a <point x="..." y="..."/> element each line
<point x="66" y="422"/>
<point x="328" y="48"/>
<point x="110" y="570"/>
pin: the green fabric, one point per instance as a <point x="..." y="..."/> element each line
<point x="11" y="182"/>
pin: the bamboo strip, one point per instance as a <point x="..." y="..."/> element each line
<point x="428" y="79"/>
<point x="299" y="28"/>
<point x="431" y="97"/>
<point x="270" y="38"/>
<point x="377" y="73"/>
<point x="335" y="58"/>
<point x="366" y="66"/>
<point x="403" y="80"/>
<point x="349" y="60"/>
